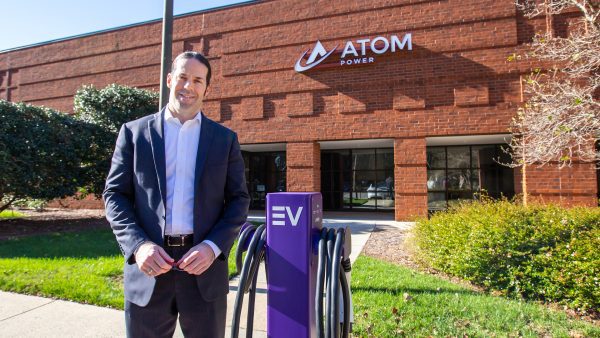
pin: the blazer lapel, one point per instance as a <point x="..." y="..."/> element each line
<point x="158" y="152"/>
<point x="206" y="137"/>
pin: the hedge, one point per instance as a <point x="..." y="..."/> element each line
<point x="43" y="153"/>
<point x="543" y="252"/>
<point x="108" y="108"/>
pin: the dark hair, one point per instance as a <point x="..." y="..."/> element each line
<point x="193" y="55"/>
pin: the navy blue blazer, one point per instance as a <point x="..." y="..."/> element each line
<point x="135" y="199"/>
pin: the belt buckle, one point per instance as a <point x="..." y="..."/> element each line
<point x="181" y="238"/>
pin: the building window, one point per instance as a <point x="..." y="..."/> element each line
<point x="457" y="173"/>
<point x="265" y="173"/>
<point x="358" y="179"/>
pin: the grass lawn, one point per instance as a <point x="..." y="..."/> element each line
<point x="440" y="308"/>
<point x="8" y="214"/>
<point x="87" y="267"/>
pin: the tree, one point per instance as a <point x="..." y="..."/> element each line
<point x="107" y="109"/>
<point x="561" y="118"/>
<point x="41" y="153"/>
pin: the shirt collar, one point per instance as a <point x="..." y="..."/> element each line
<point x="169" y="116"/>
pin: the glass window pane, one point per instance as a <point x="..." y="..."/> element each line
<point x="280" y="161"/>
<point x="363" y="180"/>
<point x="385" y="190"/>
<point x="385" y="159"/>
<point x="436" y="180"/>
<point x="362" y="203"/>
<point x="337" y="181"/>
<point x="359" y="195"/>
<point x="347" y="175"/>
<point x="281" y="183"/>
<point x="388" y="180"/>
<point x="484" y="155"/>
<point x="347" y="201"/>
<point x="246" y="157"/>
<point x="436" y="157"/>
<point x="457" y="196"/>
<point x="363" y="159"/>
<point x="257" y="164"/>
<point x="326" y="181"/>
<point x="475" y="180"/>
<point x="507" y="182"/>
<point x="459" y="179"/>
<point x="327" y="200"/>
<point x="459" y="157"/>
<point x="436" y="201"/>
<point x="386" y="203"/>
<point x="345" y="160"/>
<point x="335" y="160"/>
<point x="503" y="156"/>
<point x="383" y="187"/>
<point x="383" y="178"/>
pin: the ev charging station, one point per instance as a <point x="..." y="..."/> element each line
<point x="303" y="261"/>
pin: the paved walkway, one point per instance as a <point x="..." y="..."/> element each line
<point x="30" y="316"/>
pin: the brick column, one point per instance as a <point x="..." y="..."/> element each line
<point x="303" y="166"/>
<point x="410" y="175"/>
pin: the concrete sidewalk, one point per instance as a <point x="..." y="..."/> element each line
<point x="30" y="316"/>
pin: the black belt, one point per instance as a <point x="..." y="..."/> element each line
<point x="179" y="240"/>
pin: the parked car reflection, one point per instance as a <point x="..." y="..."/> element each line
<point x="381" y="190"/>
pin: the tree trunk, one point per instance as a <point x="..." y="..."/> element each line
<point x="7" y="204"/>
<point x="524" y="183"/>
<point x="524" y="176"/>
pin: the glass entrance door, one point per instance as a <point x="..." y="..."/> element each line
<point x="358" y="179"/>
<point x="265" y="173"/>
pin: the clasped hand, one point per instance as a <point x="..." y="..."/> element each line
<point x="154" y="261"/>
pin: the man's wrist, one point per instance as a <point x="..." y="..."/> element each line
<point x="137" y="248"/>
<point x="213" y="246"/>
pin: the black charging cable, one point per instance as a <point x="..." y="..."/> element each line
<point x="248" y="276"/>
<point x="331" y="270"/>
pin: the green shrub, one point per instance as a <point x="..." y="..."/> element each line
<point x="42" y="153"/>
<point x="545" y="252"/>
<point x="108" y="108"/>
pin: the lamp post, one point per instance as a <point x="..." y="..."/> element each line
<point x="167" y="42"/>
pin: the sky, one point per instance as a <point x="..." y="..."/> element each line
<point x="27" y="22"/>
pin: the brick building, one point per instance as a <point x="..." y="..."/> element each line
<point x="397" y="105"/>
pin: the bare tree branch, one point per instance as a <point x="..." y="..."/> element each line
<point x="560" y="120"/>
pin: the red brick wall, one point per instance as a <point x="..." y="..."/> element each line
<point x="456" y="80"/>
<point x="303" y="167"/>
<point x="574" y="185"/>
<point x="410" y="176"/>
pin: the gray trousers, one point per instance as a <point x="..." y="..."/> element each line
<point x="176" y="293"/>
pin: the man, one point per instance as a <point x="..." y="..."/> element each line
<point x="175" y="198"/>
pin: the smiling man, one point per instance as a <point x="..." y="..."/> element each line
<point x="175" y="198"/>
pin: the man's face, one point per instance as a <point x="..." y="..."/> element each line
<point x="187" y="84"/>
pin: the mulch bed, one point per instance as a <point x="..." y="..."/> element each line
<point x="52" y="221"/>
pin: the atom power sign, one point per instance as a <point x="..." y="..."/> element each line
<point x="351" y="55"/>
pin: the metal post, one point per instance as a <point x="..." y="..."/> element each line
<point x="167" y="42"/>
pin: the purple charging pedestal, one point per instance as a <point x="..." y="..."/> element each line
<point x="294" y="221"/>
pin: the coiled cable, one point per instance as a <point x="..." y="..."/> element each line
<point x="255" y="254"/>
<point x="331" y="278"/>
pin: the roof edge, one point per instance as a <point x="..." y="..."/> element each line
<point x="102" y="31"/>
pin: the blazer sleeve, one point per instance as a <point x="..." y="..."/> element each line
<point x="119" y="197"/>
<point x="236" y="203"/>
